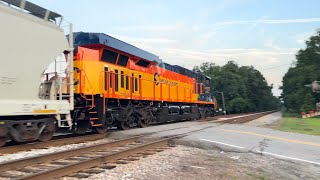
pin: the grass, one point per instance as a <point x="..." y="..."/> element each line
<point x="214" y="158"/>
<point x="257" y="176"/>
<point x="290" y="114"/>
<point x="299" y="125"/>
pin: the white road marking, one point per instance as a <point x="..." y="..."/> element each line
<point x="222" y="143"/>
<point x="265" y="153"/>
<point x="287" y="157"/>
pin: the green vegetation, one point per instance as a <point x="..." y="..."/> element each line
<point x="299" y="125"/>
<point x="298" y="98"/>
<point x="214" y="158"/>
<point x="245" y="89"/>
<point x="257" y="176"/>
<point x="291" y="114"/>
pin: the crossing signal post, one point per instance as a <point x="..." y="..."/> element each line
<point x="315" y="87"/>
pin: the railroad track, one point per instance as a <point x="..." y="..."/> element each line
<point x="238" y="120"/>
<point x="56" y="142"/>
<point x="222" y="116"/>
<point x="92" y="137"/>
<point x="246" y="118"/>
<point x="61" y="142"/>
<point x="85" y="161"/>
<point x="34" y="167"/>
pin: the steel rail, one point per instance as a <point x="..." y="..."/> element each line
<point x="241" y="119"/>
<point x="244" y="119"/>
<point x="86" y="164"/>
<point x="73" y="167"/>
<point x="56" y="142"/>
<point x="80" y="139"/>
<point x="61" y="142"/>
<point x="20" y="163"/>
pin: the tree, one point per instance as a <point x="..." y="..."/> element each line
<point x="245" y="88"/>
<point x="295" y="95"/>
<point x="239" y="105"/>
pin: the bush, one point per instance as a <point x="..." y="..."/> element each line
<point x="291" y="113"/>
<point x="238" y="105"/>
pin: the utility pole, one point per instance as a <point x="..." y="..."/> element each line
<point x="223" y="102"/>
<point x="315" y="87"/>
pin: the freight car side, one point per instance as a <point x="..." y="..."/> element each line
<point x="28" y="110"/>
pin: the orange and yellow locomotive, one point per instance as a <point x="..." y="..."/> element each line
<point x="117" y="84"/>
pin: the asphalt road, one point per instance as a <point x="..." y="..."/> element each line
<point x="240" y="138"/>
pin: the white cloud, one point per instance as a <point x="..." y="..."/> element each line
<point x="172" y="51"/>
<point x="190" y="44"/>
<point x="301" y="38"/>
<point x="272" y="60"/>
<point x="269" y="43"/>
<point x="207" y="30"/>
<point x="259" y="58"/>
<point x="269" y="21"/>
<point x="149" y="28"/>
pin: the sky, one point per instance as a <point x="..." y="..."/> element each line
<point x="265" y="34"/>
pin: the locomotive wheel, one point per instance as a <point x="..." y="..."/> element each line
<point x="47" y="133"/>
<point x="3" y="141"/>
<point x="132" y="121"/>
<point x="123" y="125"/>
<point x="4" y="136"/>
<point x="129" y="123"/>
<point x="82" y="127"/>
<point x="101" y="130"/>
<point x="143" y="122"/>
<point x="199" y="116"/>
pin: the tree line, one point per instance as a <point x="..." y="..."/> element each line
<point x="245" y="89"/>
<point x="306" y="69"/>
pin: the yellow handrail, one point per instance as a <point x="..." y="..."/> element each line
<point x="92" y="92"/>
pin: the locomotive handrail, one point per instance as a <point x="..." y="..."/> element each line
<point x="80" y="84"/>
<point x="46" y="75"/>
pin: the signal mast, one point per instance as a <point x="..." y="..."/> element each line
<point x="315" y="87"/>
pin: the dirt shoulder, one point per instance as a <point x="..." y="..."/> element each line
<point x="189" y="163"/>
<point x="267" y="120"/>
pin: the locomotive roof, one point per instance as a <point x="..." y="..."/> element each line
<point x="83" y="38"/>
